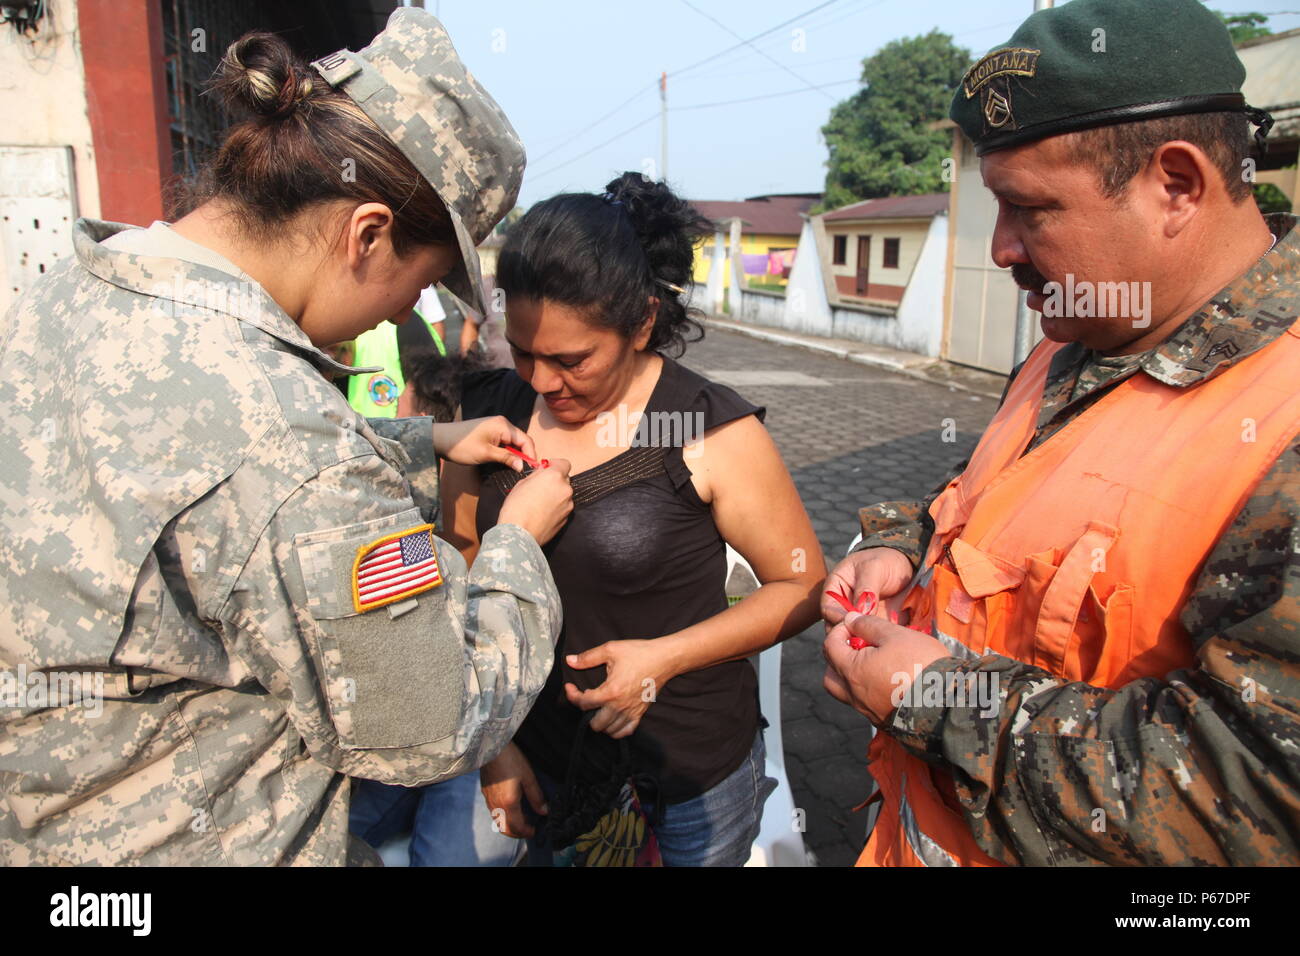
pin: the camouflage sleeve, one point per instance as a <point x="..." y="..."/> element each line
<point x="893" y="524"/>
<point x="1199" y="768"/>
<point x="415" y="435"/>
<point x="411" y="692"/>
<point x="905" y="526"/>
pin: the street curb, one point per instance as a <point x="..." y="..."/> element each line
<point x="917" y="371"/>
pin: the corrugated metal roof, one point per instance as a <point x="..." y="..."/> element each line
<point x="775" y="215"/>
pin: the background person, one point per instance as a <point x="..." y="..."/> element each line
<point x="390" y="346"/>
<point x="448" y="823"/>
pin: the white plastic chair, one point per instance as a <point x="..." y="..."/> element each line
<point x="780" y="835"/>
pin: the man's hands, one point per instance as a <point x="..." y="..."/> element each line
<point x="870" y="680"/>
<point x="635" y="672"/>
<point x="881" y="570"/>
<point x="506" y="782"/>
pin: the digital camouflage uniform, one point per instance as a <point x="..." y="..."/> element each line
<point x="184" y="495"/>
<point x="1219" y="743"/>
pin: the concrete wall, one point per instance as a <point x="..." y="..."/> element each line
<point x="916" y="325"/>
<point x="43" y="102"/>
<point x="982" y="324"/>
<point x="760" y="307"/>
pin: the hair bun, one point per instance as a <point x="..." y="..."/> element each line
<point x="260" y="74"/>
<point x="655" y="210"/>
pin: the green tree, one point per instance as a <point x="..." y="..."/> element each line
<point x="884" y="140"/>
<point x="1244" y="26"/>
<point x="1271" y="199"/>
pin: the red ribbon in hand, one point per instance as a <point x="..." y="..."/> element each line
<point x="530" y="462"/>
<point x="865" y="604"/>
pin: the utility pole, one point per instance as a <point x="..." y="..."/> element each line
<point x="1024" y="321"/>
<point x="663" y="126"/>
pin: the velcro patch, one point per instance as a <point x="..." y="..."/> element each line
<point x="394" y="568"/>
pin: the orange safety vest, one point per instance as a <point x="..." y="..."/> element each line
<point x="1078" y="556"/>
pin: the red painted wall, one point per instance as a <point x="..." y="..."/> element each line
<point x="122" y="52"/>
<point x="875" y="290"/>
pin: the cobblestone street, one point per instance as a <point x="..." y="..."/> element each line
<point x="851" y="435"/>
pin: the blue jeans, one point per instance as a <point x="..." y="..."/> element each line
<point x="449" y="822"/>
<point x="717" y="828"/>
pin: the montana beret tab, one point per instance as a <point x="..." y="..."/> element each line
<point x="413" y="86"/>
<point x="1098" y="62"/>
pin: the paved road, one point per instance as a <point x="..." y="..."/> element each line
<point x="851" y="435"/>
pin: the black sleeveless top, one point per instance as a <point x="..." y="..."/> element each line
<point x="639" y="558"/>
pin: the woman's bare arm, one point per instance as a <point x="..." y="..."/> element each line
<point x="759" y="513"/>
<point x="737" y="469"/>
<point x="459" y="490"/>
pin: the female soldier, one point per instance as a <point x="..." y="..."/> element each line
<point x="198" y="530"/>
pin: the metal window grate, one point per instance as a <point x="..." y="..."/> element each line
<point x="197" y="121"/>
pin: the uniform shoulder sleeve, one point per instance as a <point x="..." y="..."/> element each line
<point x="392" y="659"/>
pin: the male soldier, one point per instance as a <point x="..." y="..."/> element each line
<point x="1109" y="590"/>
<point x="220" y="589"/>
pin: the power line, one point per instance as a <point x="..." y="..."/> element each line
<point x="750" y="44"/>
<point x="765" y="96"/>
<point x="568" y="140"/>
<point x="744" y="42"/>
<point x="567" y="162"/>
<point x="810" y="22"/>
<point x="764" y="70"/>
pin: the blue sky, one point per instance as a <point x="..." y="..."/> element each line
<point x="557" y="67"/>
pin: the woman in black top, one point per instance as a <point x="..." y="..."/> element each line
<point x="667" y="468"/>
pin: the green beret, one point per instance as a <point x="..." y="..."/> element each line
<point x="1097" y="62"/>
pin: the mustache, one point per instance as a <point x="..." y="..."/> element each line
<point x="1027" y="277"/>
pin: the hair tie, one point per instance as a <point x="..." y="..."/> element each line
<point x="609" y="198"/>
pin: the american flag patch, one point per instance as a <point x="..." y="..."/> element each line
<point x="394" y="568"/>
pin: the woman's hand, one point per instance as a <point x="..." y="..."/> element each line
<point x="635" y="672"/>
<point x="540" y="503"/>
<point x="479" y="440"/>
<point x="506" y="782"/>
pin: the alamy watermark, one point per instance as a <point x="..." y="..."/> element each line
<point x="1087" y="300"/>
<point x="235" y="297"/>
<point x="974" y="689"/>
<point x="623" y="429"/>
<point x="40" y="689"/>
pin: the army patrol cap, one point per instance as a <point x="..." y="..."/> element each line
<point x="411" y="83"/>
<point x="1098" y="62"/>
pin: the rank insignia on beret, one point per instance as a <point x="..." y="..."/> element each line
<point x="991" y="78"/>
<point x="394" y="568"/>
